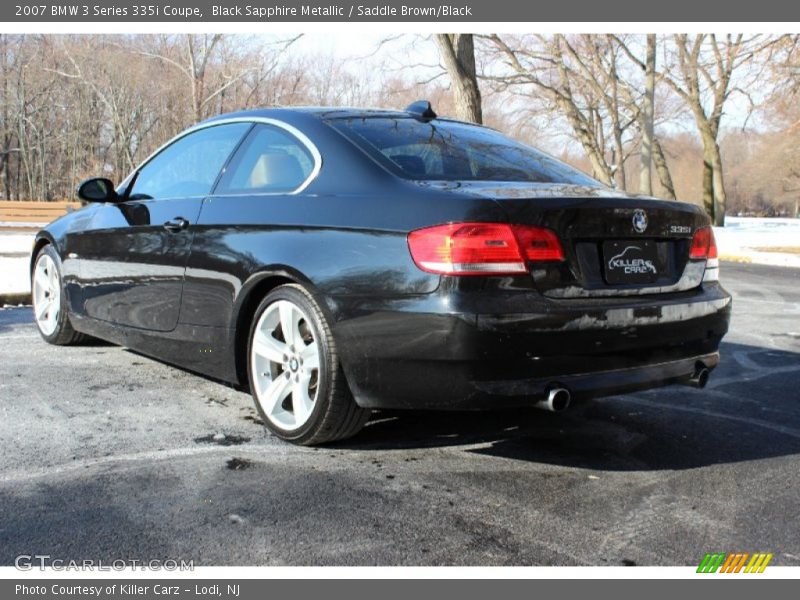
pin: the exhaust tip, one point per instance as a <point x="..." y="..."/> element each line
<point x="558" y="399"/>
<point x="700" y="377"/>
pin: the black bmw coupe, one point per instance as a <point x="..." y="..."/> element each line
<point x="339" y="260"/>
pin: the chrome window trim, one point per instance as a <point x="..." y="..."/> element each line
<point x="293" y="131"/>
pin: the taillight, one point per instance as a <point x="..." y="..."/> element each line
<point x="703" y="244"/>
<point x="539" y="244"/>
<point x="482" y="248"/>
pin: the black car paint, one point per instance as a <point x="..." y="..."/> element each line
<point x="406" y="338"/>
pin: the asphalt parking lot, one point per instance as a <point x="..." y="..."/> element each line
<point x="110" y="455"/>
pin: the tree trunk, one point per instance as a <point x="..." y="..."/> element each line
<point x="600" y="169"/>
<point x="714" y="198"/>
<point x="645" y="175"/>
<point x="662" y="169"/>
<point x="4" y="171"/>
<point x="458" y="54"/>
<point x="619" y="161"/>
<point x="708" y="184"/>
<point x="720" y="198"/>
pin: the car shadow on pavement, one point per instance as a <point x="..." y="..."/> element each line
<point x="750" y="411"/>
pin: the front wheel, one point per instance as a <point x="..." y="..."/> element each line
<point x="295" y="377"/>
<point x="49" y="300"/>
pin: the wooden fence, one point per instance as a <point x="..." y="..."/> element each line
<point x="24" y="214"/>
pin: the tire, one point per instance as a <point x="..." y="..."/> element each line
<point x="49" y="300"/>
<point x="297" y="382"/>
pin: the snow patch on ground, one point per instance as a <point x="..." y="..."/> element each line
<point x="15" y="243"/>
<point x="14" y="276"/>
<point x="15" y="251"/>
<point x="760" y="241"/>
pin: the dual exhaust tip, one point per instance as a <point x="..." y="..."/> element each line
<point x="558" y="398"/>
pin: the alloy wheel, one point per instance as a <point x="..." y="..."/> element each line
<point x="285" y="362"/>
<point x="46" y="294"/>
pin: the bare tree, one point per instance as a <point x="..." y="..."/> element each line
<point x="592" y="62"/>
<point x="648" y="117"/>
<point x="458" y="54"/>
<point x="199" y="52"/>
<point x="8" y="56"/>
<point x="663" y="170"/>
<point x="700" y="71"/>
<point x="638" y="105"/>
<point x="538" y="62"/>
<point x="595" y="83"/>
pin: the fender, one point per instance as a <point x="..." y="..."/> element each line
<point x="253" y="290"/>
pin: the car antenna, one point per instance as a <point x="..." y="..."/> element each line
<point x="421" y="110"/>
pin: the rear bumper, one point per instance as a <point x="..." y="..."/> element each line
<point x="604" y="383"/>
<point x="464" y="351"/>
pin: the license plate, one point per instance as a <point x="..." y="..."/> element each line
<point x="634" y="261"/>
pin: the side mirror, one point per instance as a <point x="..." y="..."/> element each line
<point x="97" y="189"/>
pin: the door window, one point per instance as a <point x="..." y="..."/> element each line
<point x="189" y="166"/>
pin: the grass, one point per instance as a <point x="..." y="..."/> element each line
<point x="782" y="249"/>
<point x="736" y="258"/>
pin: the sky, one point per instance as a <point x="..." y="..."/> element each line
<point x="398" y="51"/>
<point x="348" y="44"/>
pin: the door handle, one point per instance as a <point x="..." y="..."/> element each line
<point x="176" y="224"/>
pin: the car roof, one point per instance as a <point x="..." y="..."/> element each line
<point x="322" y="112"/>
<point x="329" y="112"/>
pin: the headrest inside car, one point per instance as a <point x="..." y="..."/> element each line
<point x="276" y="170"/>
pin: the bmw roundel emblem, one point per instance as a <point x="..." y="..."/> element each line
<point x="639" y="220"/>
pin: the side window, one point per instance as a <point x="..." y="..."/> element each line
<point x="271" y="160"/>
<point x="189" y="166"/>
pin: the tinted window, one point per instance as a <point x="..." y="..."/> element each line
<point x="189" y="166"/>
<point x="270" y="161"/>
<point x="444" y="150"/>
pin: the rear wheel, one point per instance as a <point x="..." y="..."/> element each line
<point x="49" y="300"/>
<point x="295" y="377"/>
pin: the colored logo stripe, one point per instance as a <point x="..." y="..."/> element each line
<point x="758" y="563"/>
<point x="711" y="562"/>
<point x="734" y="562"/>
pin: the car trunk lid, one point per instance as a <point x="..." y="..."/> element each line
<point x="614" y="244"/>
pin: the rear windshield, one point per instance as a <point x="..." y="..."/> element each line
<point x="449" y="151"/>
